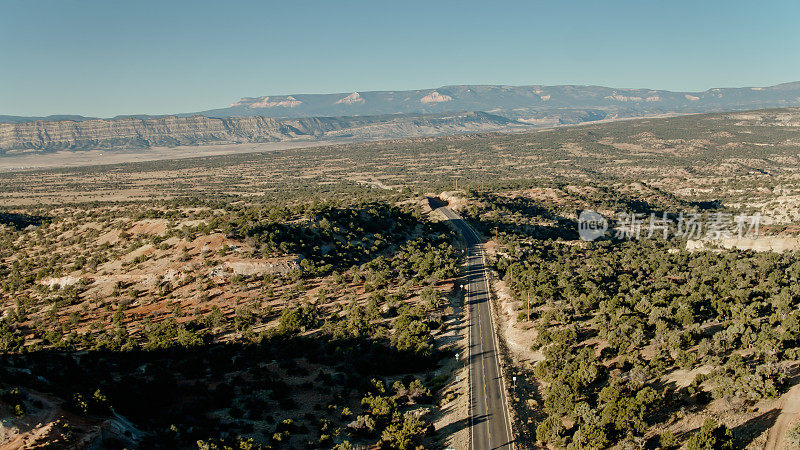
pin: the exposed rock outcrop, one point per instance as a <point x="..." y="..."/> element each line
<point x="139" y="133"/>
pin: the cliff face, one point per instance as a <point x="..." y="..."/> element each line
<point x="140" y="133"/>
<point x="380" y="115"/>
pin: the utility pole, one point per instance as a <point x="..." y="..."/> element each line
<point x="529" y="306"/>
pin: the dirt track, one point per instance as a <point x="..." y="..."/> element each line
<point x="790" y="413"/>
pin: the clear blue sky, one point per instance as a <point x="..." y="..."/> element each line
<point x="104" y="58"/>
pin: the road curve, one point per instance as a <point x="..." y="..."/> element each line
<point x="490" y="426"/>
<point x="789" y="411"/>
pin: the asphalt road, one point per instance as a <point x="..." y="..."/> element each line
<point x="489" y="422"/>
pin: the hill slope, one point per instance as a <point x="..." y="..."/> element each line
<point x="133" y="133"/>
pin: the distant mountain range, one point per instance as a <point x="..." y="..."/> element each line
<point x="380" y="114"/>
<point x="515" y="102"/>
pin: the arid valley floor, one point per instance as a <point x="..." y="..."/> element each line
<point x="311" y="297"/>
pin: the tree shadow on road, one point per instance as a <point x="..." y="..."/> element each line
<point x="453" y="428"/>
<point x="745" y="433"/>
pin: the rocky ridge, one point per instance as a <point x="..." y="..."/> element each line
<point x="171" y="131"/>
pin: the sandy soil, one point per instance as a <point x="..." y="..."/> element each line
<point x="518" y="335"/>
<point x="790" y="415"/>
<point x="45" y="427"/>
<point x="761" y="244"/>
<point x="452" y="421"/>
<point x="454" y="199"/>
<point x="23" y="432"/>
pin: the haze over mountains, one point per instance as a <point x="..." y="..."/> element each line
<point x="379" y="115"/>
<point x="514" y="102"/>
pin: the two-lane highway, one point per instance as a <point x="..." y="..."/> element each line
<point x="490" y="427"/>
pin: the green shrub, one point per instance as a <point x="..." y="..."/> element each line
<point x="711" y="436"/>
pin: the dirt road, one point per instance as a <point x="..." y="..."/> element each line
<point x="790" y="414"/>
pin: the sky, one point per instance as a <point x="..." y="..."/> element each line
<point x="104" y="58"/>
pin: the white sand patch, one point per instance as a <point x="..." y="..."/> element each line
<point x="277" y="265"/>
<point x="760" y="244"/>
<point x="61" y="282"/>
